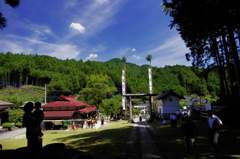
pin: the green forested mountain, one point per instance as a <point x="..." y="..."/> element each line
<point x="68" y="77"/>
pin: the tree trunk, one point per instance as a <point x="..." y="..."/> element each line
<point x="235" y="57"/>
<point x="227" y="61"/>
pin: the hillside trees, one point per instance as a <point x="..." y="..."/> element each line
<point x="111" y="106"/>
<point x="18" y="96"/>
<point x="97" y="89"/>
<point x="211" y="31"/>
<point x="68" y="77"/>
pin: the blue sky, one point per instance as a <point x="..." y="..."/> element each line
<point x="95" y="30"/>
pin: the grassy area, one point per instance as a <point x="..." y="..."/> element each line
<point x="106" y="142"/>
<point x="170" y="140"/>
<point x="110" y="141"/>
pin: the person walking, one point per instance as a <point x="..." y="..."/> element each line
<point x="214" y="123"/>
<point x="74" y="127"/>
<point x="140" y="117"/>
<point x="189" y="130"/>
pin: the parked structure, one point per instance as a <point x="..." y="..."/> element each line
<point x="168" y="102"/>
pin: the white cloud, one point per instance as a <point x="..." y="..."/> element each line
<point x="98" y="48"/>
<point x="122" y="52"/>
<point x="62" y="51"/>
<point x="91" y="56"/>
<point x="95" y="15"/>
<point x="136" y="57"/>
<point x="170" y="52"/>
<point x="14" y="47"/>
<point x="78" y="27"/>
<point x="16" y="44"/>
<point x="102" y="1"/>
<point x="133" y="49"/>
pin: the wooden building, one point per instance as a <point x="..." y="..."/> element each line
<point x="4" y="107"/>
<point x="168" y="102"/>
<point x="66" y="108"/>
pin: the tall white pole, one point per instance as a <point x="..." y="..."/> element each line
<point x="150" y="80"/>
<point x="45" y="94"/>
<point x="150" y="90"/>
<point x="123" y="89"/>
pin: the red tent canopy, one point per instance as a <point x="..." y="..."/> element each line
<point x="88" y="109"/>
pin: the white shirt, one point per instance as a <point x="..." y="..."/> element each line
<point x="214" y="121"/>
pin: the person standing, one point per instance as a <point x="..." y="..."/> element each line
<point x="102" y="121"/>
<point x="32" y="126"/>
<point x="178" y="114"/>
<point x="214" y="123"/>
<point x="140" y="117"/>
<point x="173" y="119"/>
<point x="189" y="130"/>
<point x="39" y="116"/>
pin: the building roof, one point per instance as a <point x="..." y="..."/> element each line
<point x="3" y="103"/>
<point x="88" y="109"/>
<point x="167" y="93"/>
<point x="65" y="101"/>
<point x="52" y="114"/>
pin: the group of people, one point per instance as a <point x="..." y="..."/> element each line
<point x="190" y="131"/>
<point x="32" y="121"/>
<point x="173" y="119"/>
<point x="91" y="122"/>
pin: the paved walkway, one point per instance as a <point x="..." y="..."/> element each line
<point x="148" y="147"/>
<point x="12" y="133"/>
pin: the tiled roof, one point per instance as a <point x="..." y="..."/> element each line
<point x="67" y="101"/>
<point x="53" y="114"/>
<point x="88" y="109"/>
<point x="167" y="93"/>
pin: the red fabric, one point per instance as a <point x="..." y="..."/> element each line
<point x="88" y="109"/>
<point x="48" y="114"/>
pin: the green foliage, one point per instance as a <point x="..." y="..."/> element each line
<point x="7" y="125"/>
<point x="93" y="81"/>
<point x="16" y="115"/>
<point x="111" y="106"/>
<point x="18" y="124"/>
<point x="18" y="96"/>
<point x="97" y="89"/>
<point x="136" y="111"/>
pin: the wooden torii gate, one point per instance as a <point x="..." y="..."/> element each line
<point x="129" y="98"/>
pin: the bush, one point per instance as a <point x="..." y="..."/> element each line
<point x="18" y="124"/>
<point x="7" y="125"/>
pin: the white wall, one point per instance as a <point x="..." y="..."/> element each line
<point x="168" y="106"/>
